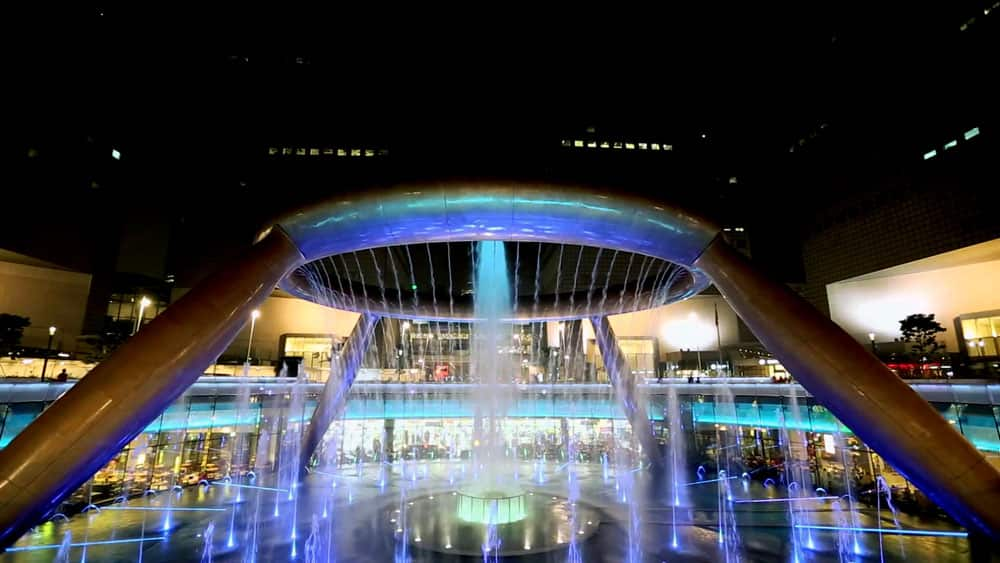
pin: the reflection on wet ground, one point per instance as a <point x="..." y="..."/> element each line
<point x="364" y="513"/>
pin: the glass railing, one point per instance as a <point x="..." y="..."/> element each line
<point x="198" y="436"/>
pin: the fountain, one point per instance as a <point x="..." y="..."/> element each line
<point x="491" y="367"/>
<point x="208" y="547"/>
<point x="62" y="556"/>
<point x="490" y="507"/>
<point x="527" y="452"/>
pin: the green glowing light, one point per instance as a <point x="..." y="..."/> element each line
<point x="413" y="287"/>
<point x="491" y="507"/>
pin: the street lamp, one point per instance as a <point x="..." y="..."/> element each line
<point x="871" y="338"/>
<point x="143" y="303"/>
<point x="254" y="315"/>
<point x="48" y="351"/>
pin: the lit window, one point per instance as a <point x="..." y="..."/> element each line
<point x="286" y="150"/>
<point x="630" y="146"/>
<point x="732" y="179"/>
<point x="617" y="144"/>
<point x="272" y="150"/>
<point x="605" y="145"/>
<point x="929" y="155"/>
<point x="655" y="146"/>
<point x="300" y="152"/>
<point x="313" y="152"/>
<point x="971" y="133"/>
<point x="668" y="147"/>
<point x="327" y="152"/>
<point x="592" y="144"/>
<point x="355" y="152"/>
<point x="383" y="152"/>
<point x="115" y="154"/>
<point x="643" y="146"/>
<point x="341" y="152"/>
<point x="369" y="152"/>
<point x="578" y="143"/>
<point x="950" y="144"/>
<point x="566" y="143"/>
<point x="739" y="229"/>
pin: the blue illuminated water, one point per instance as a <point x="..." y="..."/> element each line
<point x="491" y="365"/>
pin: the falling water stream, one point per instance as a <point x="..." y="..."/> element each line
<point x="491" y="366"/>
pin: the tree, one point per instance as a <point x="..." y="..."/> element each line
<point x="11" y="330"/>
<point x="922" y="331"/>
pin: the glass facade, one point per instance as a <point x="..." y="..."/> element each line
<point x="640" y="354"/>
<point x="981" y="335"/>
<point x="125" y="308"/>
<point x="316" y="351"/>
<point x="208" y="434"/>
<point x="415" y="351"/>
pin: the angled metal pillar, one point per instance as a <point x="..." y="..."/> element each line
<point x="97" y="417"/>
<point x="881" y="409"/>
<point x="335" y="391"/>
<point x="626" y="389"/>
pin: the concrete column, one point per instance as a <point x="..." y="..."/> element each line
<point x="102" y="413"/>
<point x="390" y="439"/>
<point x="626" y="389"/>
<point x="877" y="405"/>
<point x="335" y="391"/>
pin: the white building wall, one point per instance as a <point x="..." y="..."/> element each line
<point x="688" y="325"/>
<point x="49" y="297"/>
<point x="287" y="315"/>
<point x="877" y="305"/>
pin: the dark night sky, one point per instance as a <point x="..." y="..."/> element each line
<point x="867" y="90"/>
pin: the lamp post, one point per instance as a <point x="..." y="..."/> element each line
<point x="871" y="338"/>
<point x="48" y="351"/>
<point x="143" y="303"/>
<point x="254" y="315"/>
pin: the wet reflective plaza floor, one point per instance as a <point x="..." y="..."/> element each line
<point x="386" y="513"/>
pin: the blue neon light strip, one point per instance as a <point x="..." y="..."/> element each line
<point x="85" y="544"/>
<point x="979" y="429"/>
<point x="166" y="509"/>
<point x="800" y="499"/>
<point x="887" y="531"/>
<point x="709" y="481"/>
<point x="225" y="484"/>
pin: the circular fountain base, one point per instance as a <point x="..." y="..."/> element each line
<point x="491" y="505"/>
<point x="438" y="523"/>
